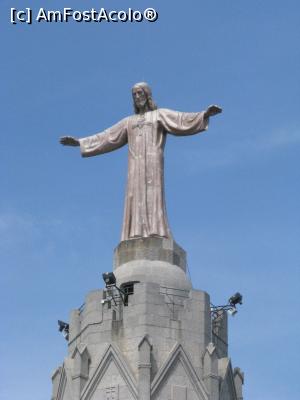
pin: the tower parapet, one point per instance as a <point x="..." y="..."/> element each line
<point x="158" y="345"/>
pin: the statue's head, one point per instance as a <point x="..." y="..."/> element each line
<point x="142" y="98"/>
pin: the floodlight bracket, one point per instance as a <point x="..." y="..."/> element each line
<point x="215" y="310"/>
<point x="113" y="285"/>
<point x="230" y="306"/>
<point x="122" y="294"/>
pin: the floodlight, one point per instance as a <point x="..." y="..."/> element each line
<point x="109" y="278"/>
<point x="64" y="328"/>
<point x="66" y="335"/>
<point x="230" y="307"/>
<point x="235" y="299"/>
<point x="232" y="311"/>
<point x="111" y="287"/>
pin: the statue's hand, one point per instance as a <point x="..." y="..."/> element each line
<point x="69" y="141"/>
<point x="213" y="110"/>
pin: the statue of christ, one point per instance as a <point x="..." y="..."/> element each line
<point x="145" y="133"/>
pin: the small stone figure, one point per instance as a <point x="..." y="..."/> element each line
<point x="145" y="132"/>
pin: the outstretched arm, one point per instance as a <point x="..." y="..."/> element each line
<point x="109" y="140"/>
<point x="181" y="123"/>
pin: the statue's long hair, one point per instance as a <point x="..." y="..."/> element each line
<point x="147" y="90"/>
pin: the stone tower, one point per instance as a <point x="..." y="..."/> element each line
<point x="156" y="342"/>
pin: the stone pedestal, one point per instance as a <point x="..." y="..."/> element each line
<point x="154" y="260"/>
<point x="158" y="345"/>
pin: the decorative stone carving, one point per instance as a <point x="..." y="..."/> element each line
<point x="177" y="364"/>
<point x="227" y="387"/>
<point x="80" y="373"/>
<point x="55" y="382"/>
<point x="144" y="368"/>
<point x="112" y="370"/>
<point x="238" y="381"/>
<point x="210" y="371"/>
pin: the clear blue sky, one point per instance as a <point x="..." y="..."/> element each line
<point x="232" y="193"/>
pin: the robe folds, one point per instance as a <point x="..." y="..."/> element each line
<point x="145" y="211"/>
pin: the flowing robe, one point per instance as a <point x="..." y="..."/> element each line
<point x="145" y="211"/>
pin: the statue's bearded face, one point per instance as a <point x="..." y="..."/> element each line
<point x="139" y="97"/>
